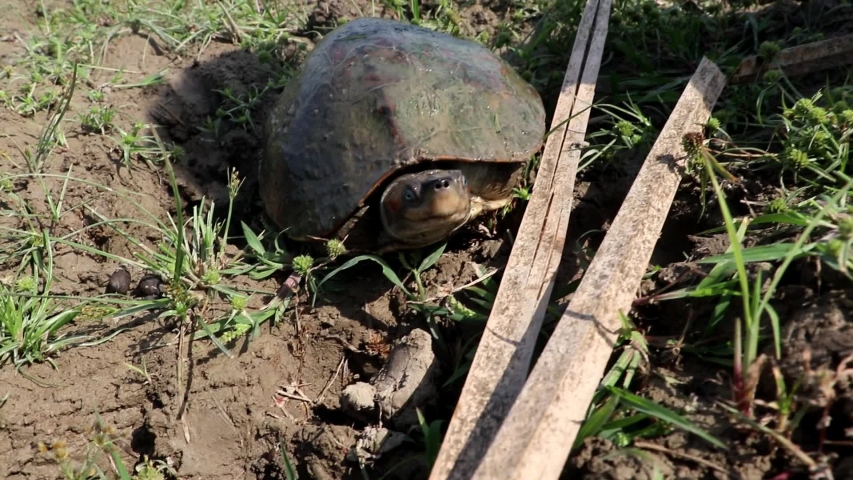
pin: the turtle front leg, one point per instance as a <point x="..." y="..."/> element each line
<point x="480" y="205"/>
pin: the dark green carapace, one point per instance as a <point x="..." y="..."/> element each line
<point x="378" y="98"/>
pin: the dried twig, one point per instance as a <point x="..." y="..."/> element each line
<point x="686" y="456"/>
<point x="331" y="380"/>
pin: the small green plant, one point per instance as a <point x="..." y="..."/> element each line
<point x="238" y="109"/>
<point x="431" y="438"/>
<point x="768" y="50"/>
<point x="142" y="371"/>
<point x="98" y="119"/>
<point x="289" y="470"/>
<point x="826" y="215"/>
<point x="623" y="417"/>
<point x="96" y="95"/>
<point x="133" y="145"/>
<point x="631" y="130"/>
<point x="30" y="99"/>
<point x="30" y="323"/>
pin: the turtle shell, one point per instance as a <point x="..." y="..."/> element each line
<point x="375" y="96"/>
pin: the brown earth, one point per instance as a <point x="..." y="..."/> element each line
<point x="221" y="418"/>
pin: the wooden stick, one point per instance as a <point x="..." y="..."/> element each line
<point x="503" y="355"/>
<point x="539" y="431"/>
<point x="799" y="60"/>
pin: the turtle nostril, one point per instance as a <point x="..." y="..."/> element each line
<point x="444" y="183"/>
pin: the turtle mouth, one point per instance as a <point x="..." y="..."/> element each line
<point x="425" y="207"/>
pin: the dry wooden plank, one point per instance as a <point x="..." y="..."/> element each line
<point x="537" y="435"/>
<point x="503" y="355"/>
<point x="799" y="60"/>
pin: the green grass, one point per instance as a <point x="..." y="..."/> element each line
<point x="789" y="135"/>
<point x="31" y="326"/>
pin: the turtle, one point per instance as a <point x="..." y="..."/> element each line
<point x="392" y="136"/>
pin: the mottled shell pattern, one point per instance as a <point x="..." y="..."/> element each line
<point x="376" y="95"/>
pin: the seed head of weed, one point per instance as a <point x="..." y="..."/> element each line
<point x="101" y="434"/>
<point x="182" y="299"/>
<point x="768" y="50"/>
<point x="237" y="331"/>
<point x="234" y="184"/>
<point x="714" y="124"/>
<point x="795" y="158"/>
<point x="211" y="277"/>
<point x="801" y="108"/>
<point x="59" y="449"/>
<point x="821" y="139"/>
<point x="239" y="302"/>
<point x="93" y="312"/>
<point x="692" y="143"/>
<point x="26" y="284"/>
<point x="835" y="246"/>
<point x="302" y="264"/>
<point x="772" y="77"/>
<point x="818" y="116"/>
<point x="845" y="227"/>
<point x="777" y="205"/>
<point x="624" y="128"/>
<point x="335" y="248"/>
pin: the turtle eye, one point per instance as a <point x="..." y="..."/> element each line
<point x="409" y="195"/>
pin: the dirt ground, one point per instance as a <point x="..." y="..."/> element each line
<point x="231" y="420"/>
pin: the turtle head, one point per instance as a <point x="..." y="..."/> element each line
<point x="422" y="208"/>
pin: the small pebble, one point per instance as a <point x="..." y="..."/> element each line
<point x="119" y="281"/>
<point x="150" y="286"/>
<point x="358" y="397"/>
